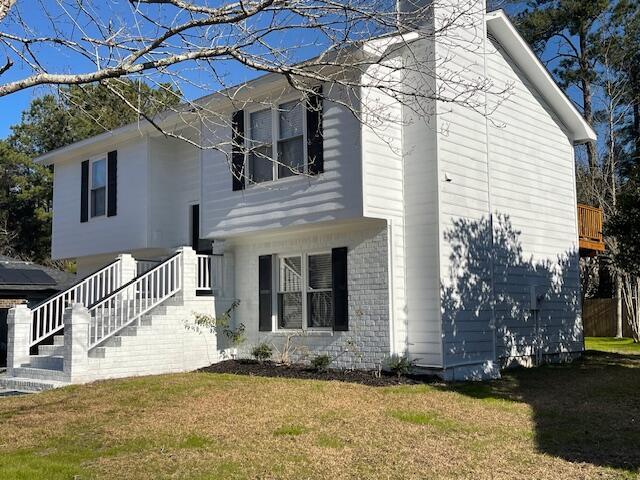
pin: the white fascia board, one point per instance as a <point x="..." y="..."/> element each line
<point x="501" y="28"/>
<point x="221" y="101"/>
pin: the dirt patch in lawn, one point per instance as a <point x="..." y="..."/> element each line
<point x="275" y="370"/>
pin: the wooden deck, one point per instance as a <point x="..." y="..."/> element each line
<point x="590" y="230"/>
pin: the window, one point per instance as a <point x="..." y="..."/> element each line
<point x="305" y="297"/>
<point x="290" y="293"/>
<point x="284" y="128"/>
<point x="290" y="140"/>
<point x="260" y="149"/>
<point x="98" y="187"/>
<point x="319" y="294"/>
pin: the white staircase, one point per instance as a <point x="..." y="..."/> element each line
<point x="137" y="327"/>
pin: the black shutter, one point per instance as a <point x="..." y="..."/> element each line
<point x="315" y="148"/>
<point x="237" y="150"/>
<point x="340" y="292"/>
<point x="265" y="299"/>
<point x="112" y="183"/>
<point x="195" y="227"/>
<point x="84" y="192"/>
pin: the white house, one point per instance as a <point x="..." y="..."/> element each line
<point x="451" y="239"/>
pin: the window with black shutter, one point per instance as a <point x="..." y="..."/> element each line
<point x="99" y="187"/>
<point x="305" y="290"/>
<point x="283" y="141"/>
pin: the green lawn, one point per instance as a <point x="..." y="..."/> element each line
<point x="554" y="422"/>
<point x="612" y="344"/>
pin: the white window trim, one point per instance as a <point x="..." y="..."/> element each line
<point x="275" y="137"/>
<point x="92" y="161"/>
<point x="304" y="258"/>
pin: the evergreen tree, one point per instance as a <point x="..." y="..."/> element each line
<point x="50" y="122"/>
<point x="572" y="25"/>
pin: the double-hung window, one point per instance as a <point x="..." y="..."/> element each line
<point x="291" y="157"/>
<point x="304" y="294"/>
<point x="98" y="187"/>
<point x="260" y="148"/>
<point x="281" y="127"/>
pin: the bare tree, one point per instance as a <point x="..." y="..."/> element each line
<point x="601" y="181"/>
<point x="347" y="45"/>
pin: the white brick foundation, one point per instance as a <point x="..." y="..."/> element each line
<point x="366" y="343"/>
<point x="165" y="341"/>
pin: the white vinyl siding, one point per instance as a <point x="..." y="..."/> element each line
<point x="532" y="180"/>
<point x="383" y="187"/>
<point x="464" y="208"/>
<point x="335" y="194"/>
<point x="123" y="232"/>
<point x="174" y="176"/>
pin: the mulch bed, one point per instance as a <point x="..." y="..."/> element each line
<point x="271" y="369"/>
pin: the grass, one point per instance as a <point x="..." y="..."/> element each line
<point x="433" y="419"/>
<point x="570" y="421"/>
<point x="612" y="344"/>
<point x="290" y="430"/>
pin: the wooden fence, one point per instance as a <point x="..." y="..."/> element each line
<point x="599" y="318"/>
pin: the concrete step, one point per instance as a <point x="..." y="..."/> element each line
<point x="51" y="350"/>
<point x="39" y="374"/>
<point x="48" y="362"/>
<point x="23" y="384"/>
<point x="58" y="340"/>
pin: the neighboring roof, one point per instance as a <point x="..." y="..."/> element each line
<point x="498" y="25"/>
<point x="519" y="50"/>
<point x="17" y="274"/>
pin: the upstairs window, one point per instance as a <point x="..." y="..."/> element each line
<point x="98" y="187"/>
<point x="283" y="127"/>
<point x="260" y="148"/>
<point x="290" y="140"/>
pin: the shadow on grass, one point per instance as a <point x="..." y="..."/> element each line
<point x="588" y="411"/>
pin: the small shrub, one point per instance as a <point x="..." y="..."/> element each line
<point x="398" y="364"/>
<point x="262" y="352"/>
<point x="321" y="362"/>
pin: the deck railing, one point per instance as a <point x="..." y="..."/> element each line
<point x="127" y="304"/>
<point x="48" y="317"/>
<point x="590" y="228"/>
<point x="209" y="276"/>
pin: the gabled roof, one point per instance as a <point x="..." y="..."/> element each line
<point x="501" y="28"/>
<point x="498" y="25"/>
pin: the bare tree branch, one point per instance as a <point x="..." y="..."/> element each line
<point x="5" y="6"/>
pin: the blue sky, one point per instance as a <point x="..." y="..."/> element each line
<point x="64" y="61"/>
<point x="12" y="106"/>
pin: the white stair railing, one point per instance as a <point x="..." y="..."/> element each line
<point x="128" y="303"/>
<point x="209" y="274"/>
<point x="48" y="316"/>
<point x="203" y="282"/>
